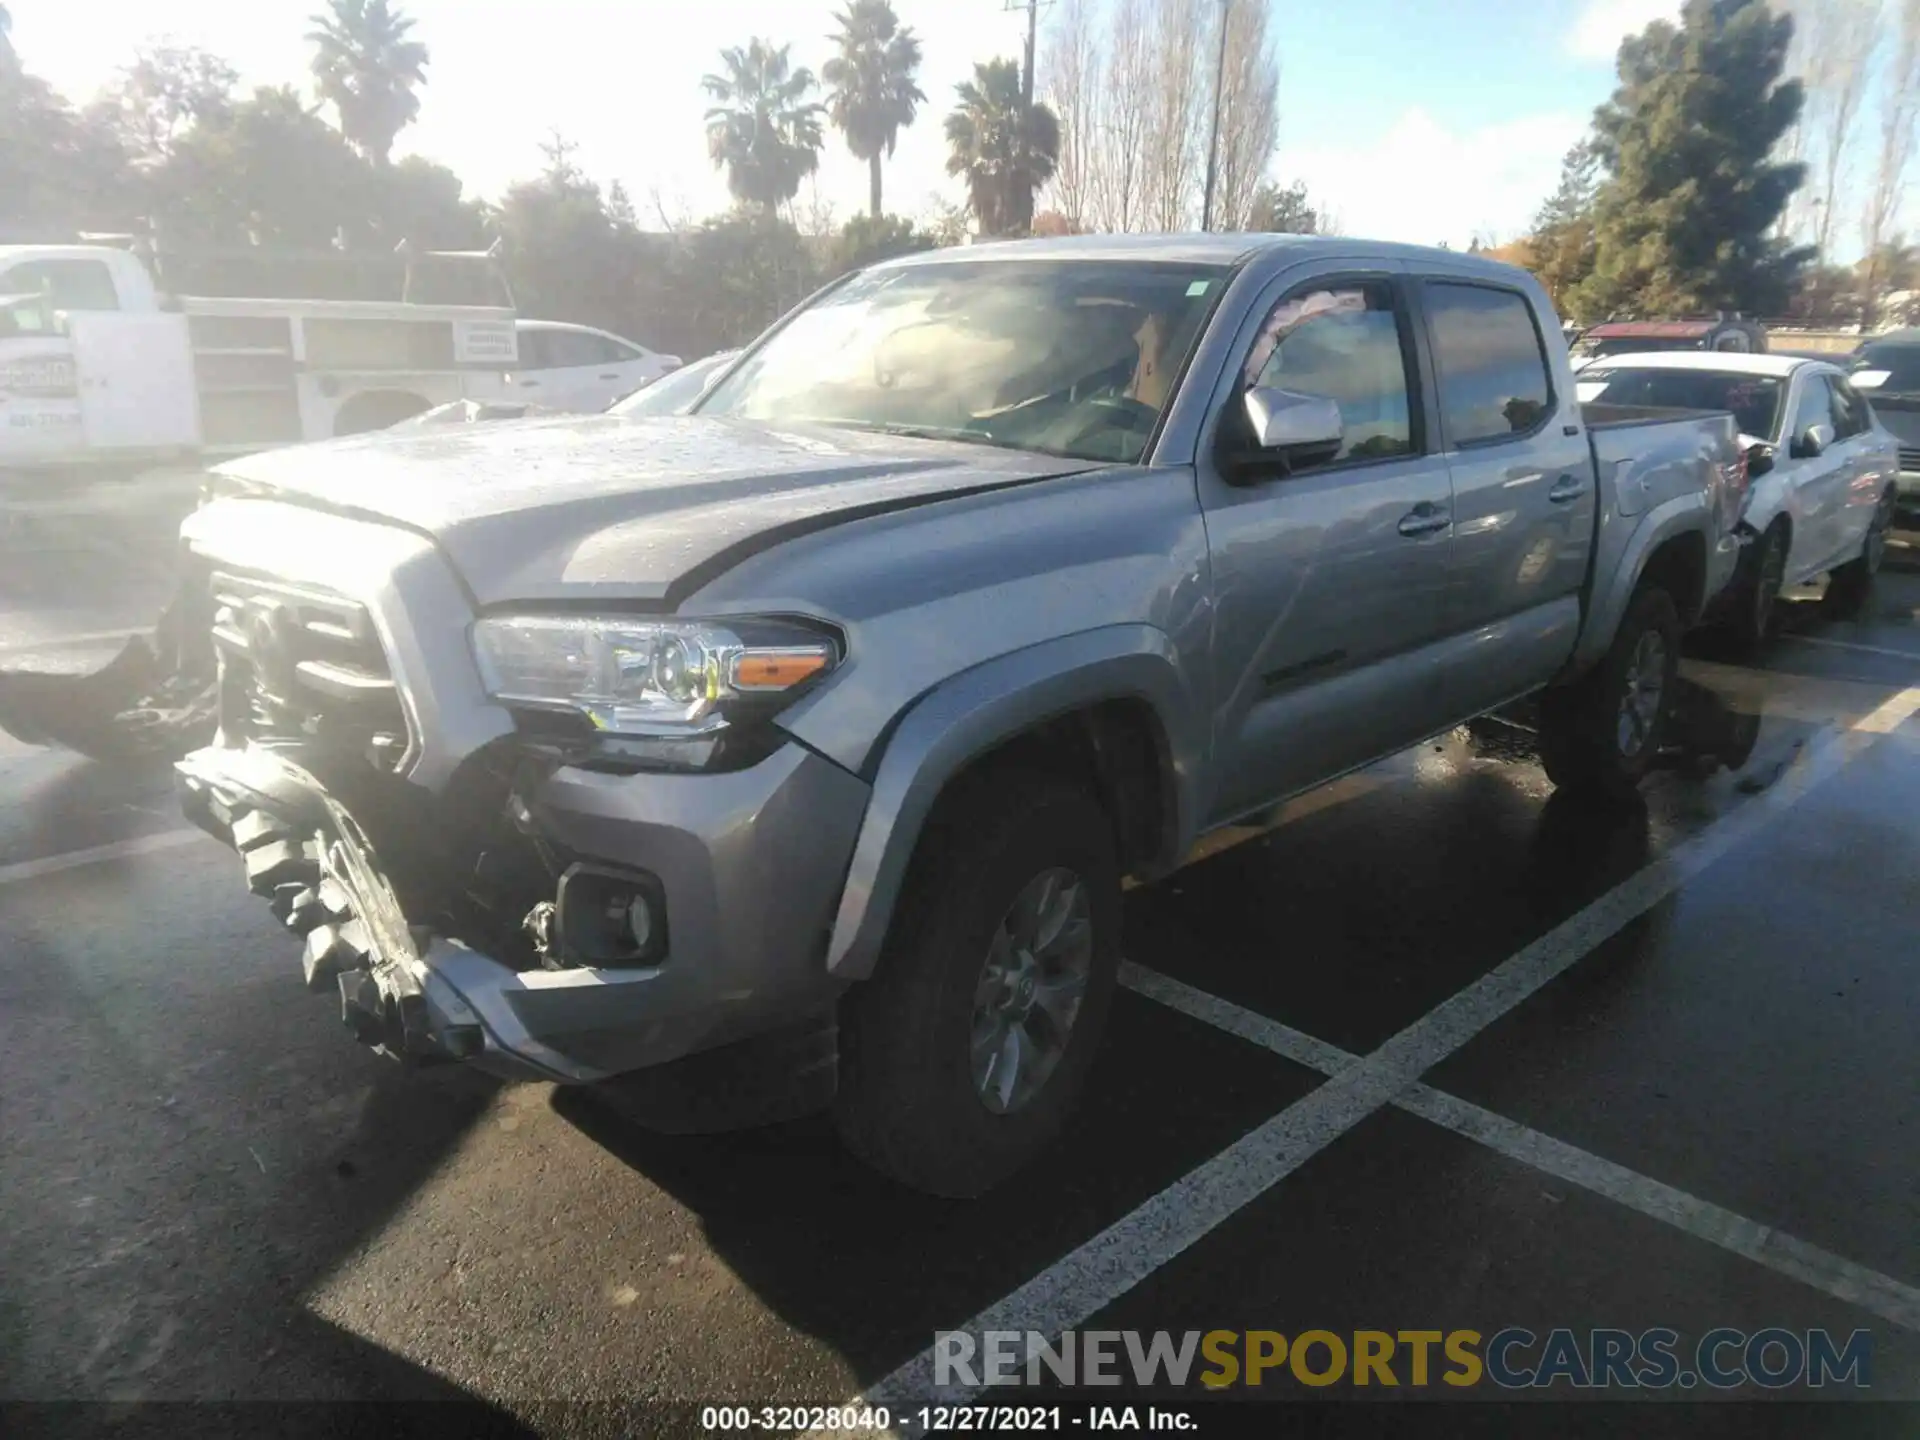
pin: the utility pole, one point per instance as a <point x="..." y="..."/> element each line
<point x="1032" y="7"/>
<point x="1213" y="134"/>
<point x="1033" y="25"/>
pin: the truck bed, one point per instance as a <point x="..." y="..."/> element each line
<point x="1646" y="458"/>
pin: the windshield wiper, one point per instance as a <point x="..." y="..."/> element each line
<point x="946" y="432"/>
<point x="914" y="432"/>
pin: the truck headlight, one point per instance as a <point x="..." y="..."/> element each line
<point x="660" y="679"/>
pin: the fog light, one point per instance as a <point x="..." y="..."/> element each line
<point x="639" y="919"/>
<point x="609" y="916"/>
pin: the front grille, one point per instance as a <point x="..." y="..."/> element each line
<point x="1910" y="458"/>
<point x="304" y="665"/>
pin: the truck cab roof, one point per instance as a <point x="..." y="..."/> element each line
<point x="1228" y="248"/>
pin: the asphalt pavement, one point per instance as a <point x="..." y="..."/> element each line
<point x="1435" y="1052"/>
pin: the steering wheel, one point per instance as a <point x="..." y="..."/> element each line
<point x="1111" y="412"/>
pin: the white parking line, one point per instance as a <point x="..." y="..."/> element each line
<point x="1854" y="645"/>
<point x="1891" y="1299"/>
<point x="1100" y="1271"/>
<point x="22" y="870"/>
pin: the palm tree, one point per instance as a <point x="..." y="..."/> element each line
<point x="764" y="129"/>
<point x="872" y="78"/>
<point x="1004" y="147"/>
<point x="369" y="70"/>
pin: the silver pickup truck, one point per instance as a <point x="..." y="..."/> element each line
<point x="791" y="753"/>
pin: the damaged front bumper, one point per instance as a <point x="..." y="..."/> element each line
<point x="747" y="866"/>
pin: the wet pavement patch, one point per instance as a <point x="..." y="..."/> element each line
<point x="1399" y="1226"/>
<point x="1353" y="922"/>
<point x="1752" y="1041"/>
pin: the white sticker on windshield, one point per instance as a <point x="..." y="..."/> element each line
<point x="1198" y="287"/>
<point x="1870" y="379"/>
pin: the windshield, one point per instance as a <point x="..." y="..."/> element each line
<point x="1753" y="399"/>
<point x="1067" y="357"/>
<point x="1899" y="362"/>
<point x="673" y="391"/>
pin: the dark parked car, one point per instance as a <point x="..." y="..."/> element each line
<point x="1886" y="369"/>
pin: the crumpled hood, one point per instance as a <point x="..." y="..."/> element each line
<point x="576" y="507"/>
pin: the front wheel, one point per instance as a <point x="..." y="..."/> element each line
<point x="1601" y="734"/>
<point x="963" y="1056"/>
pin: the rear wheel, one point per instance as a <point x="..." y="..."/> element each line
<point x="965" y="1053"/>
<point x="1601" y="734"/>
<point x="1757" y="601"/>
<point x="1850" y="588"/>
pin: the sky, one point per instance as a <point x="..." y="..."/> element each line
<point x="1417" y="120"/>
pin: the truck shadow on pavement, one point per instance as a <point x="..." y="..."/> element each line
<point x="872" y="1270"/>
<point x="188" y="1160"/>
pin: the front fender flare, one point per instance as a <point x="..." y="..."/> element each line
<point x="963" y="718"/>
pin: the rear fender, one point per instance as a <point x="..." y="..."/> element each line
<point x="964" y="718"/>
<point x="1613" y="585"/>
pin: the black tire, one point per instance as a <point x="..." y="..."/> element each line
<point x="1581" y="741"/>
<point x="1754" y="618"/>
<point x="907" y="1102"/>
<point x="1850" y="588"/>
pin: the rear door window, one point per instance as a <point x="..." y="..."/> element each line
<point x="570" y="349"/>
<point x="532" y="348"/>
<point x="1494" y="380"/>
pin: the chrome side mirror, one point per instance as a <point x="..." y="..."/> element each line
<point x="1295" y="424"/>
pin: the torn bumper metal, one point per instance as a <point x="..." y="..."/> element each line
<point x="747" y="864"/>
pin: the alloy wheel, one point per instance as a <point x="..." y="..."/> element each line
<point x="1030" y="989"/>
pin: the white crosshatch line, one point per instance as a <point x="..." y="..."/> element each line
<point x="1114" y="1261"/>
<point x="1102" y="1269"/>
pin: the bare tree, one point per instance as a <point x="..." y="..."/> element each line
<point x="1074" y="80"/>
<point x="1121" y="120"/>
<point x="810" y="212"/>
<point x="1840" y="36"/>
<point x="1176" y="128"/>
<point x="1796" y="217"/>
<point x="1899" y="118"/>
<point x="1249" y="111"/>
<point x="166" y="89"/>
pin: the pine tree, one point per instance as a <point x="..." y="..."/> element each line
<point x="1560" y="249"/>
<point x="1683" y="222"/>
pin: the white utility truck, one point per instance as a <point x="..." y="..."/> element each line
<point x="104" y="358"/>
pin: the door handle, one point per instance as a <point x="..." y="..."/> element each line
<point x="1424" y="519"/>
<point x="610" y="376"/>
<point x="1567" y="487"/>
<point x="530" y="384"/>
